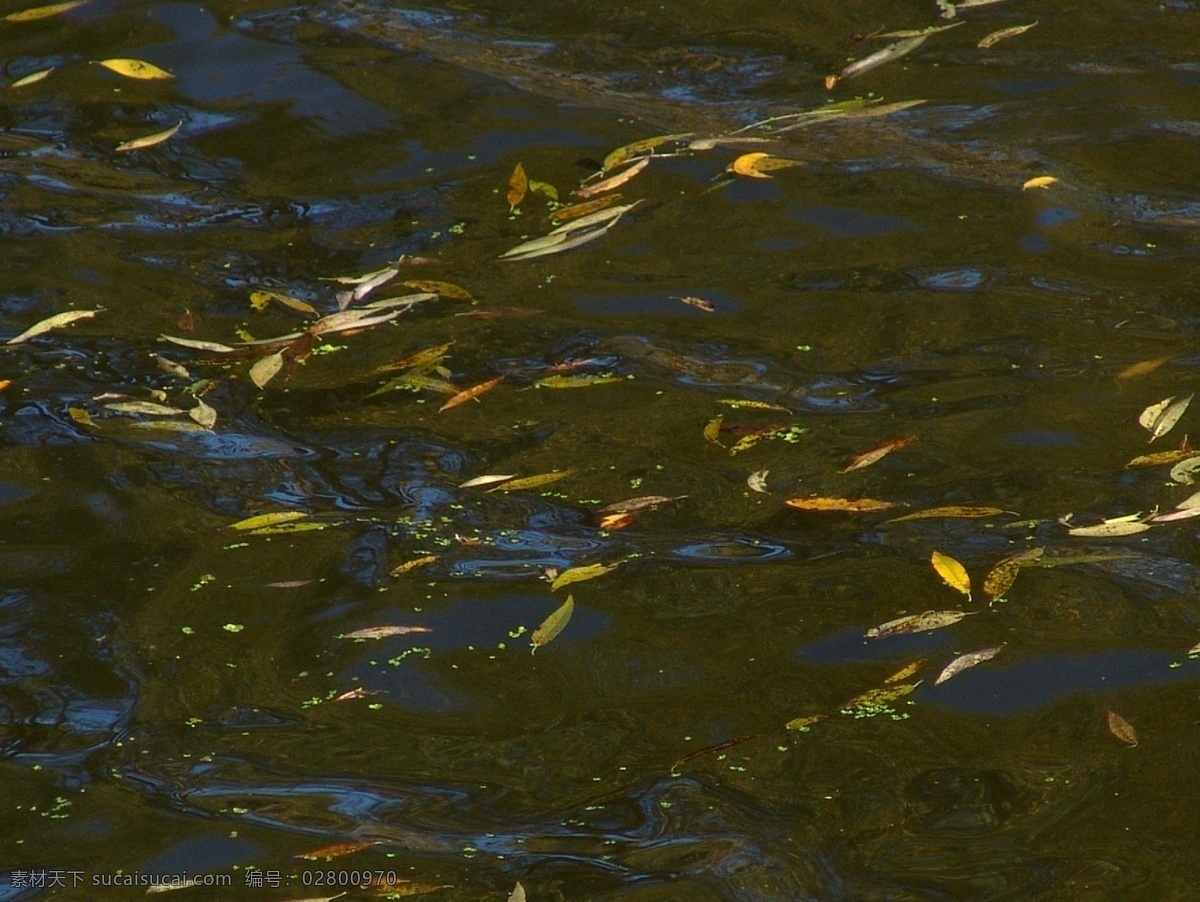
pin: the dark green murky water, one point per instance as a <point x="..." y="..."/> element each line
<point x="168" y="685"/>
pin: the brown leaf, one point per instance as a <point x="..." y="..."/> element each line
<point x="337" y="850"/>
<point x="441" y="289"/>
<point x="473" y="392"/>
<point x="1001" y="577"/>
<point x="962" y="662"/>
<point x="848" y="505"/>
<point x="414" y="361"/>
<point x="1004" y="33"/>
<point x="915" y="623"/>
<point x="698" y="303"/>
<point x="518" y="185"/>
<point x="408" y="566"/>
<point x="642" y="502"/>
<point x="1143" y="368"/>
<point x="615" y="181"/>
<point x="951" y="512"/>
<point x="877" y="452"/>
<point x="575" y="211"/>
<point x="714" y="749"/>
<point x="613" y="522"/>
<point x="1121" y="728"/>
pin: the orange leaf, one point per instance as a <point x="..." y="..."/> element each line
<point x="518" y="184"/>
<point x="877" y="452"/>
<point x="473" y="392"/>
<point x="337" y="850"/>
<point x="613" y="522"/>
<point x="849" y="505"/>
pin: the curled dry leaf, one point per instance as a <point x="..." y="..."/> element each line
<point x="579" y="574"/>
<point x="150" y="140"/>
<point x="51" y="323"/>
<point x="876" y="453"/>
<point x="952" y="573"/>
<point x="757" y="481"/>
<point x="962" y="662"/>
<point x="756" y="165"/>
<point x="553" y="625"/>
<point x="915" y="623"/>
<point x="1121" y="728"/>
<point x="847" y="505"/>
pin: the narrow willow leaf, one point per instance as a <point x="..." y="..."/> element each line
<point x="963" y="662"/>
<point x="579" y="381"/>
<point x="260" y="300"/>
<point x="473" y="392"/>
<point x="132" y="68"/>
<point x="51" y="323"/>
<point x="552" y="625"/>
<point x="1173" y="516"/>
<point x="738" y="404"/>
<point x="485" y="480"/>
<point x="1110" y="528"/>
<point x="337" y="850"/>
<point x="1121" y="728"/>
<point x="1002" y="576"/>
<point x="146" y="408"/>
<point x="913" y="32"/>
<point x="876" y="453"/>
<point x="196" y="345"/>
<point x="43" y="12"/>
<point x="1161" y="458"/>
<point x="556" y="242"/>
<point x="951" y="512"/>
<point x="613" y="182"/>
<point x="1003" y="34"/>
<point x="757" y="481"/>
<point x="1191" y="502"/>
<point x="624" y="154"/>
<point x="750" y="439"/>
<point x="698" y="303"/>
<point x="261" y="521"/>
<point x="1143" y="368"/>
<point x="1166" y="420"/>
<point x="712" y="430"/>
<point x="874" y="701"/>
<point x="518" y="894"/>
<point x="518" y="185"/>
<point x="203" y="414"/>
<point x="600" y="217"/>
<point x="1041" y="181"/>
<point x="640" y="503"/>
<point x="915" y="623"/>
<point x="848" y="505"/>
<point x="266" y="368"/>
<point x="32" y="78"/>
<point x="150" y="140"/>
<point x="415" y="564"/>
<point x="383" y="632"/>
<point x="284" y="529"/>
<point x="714" y="750"/>
<point x="952" y="573"/>
<point x="416" y="361"/>
<point x="348" y="320"/>
<point x="579" y="574"/>
<point x="905" y="672"/>
<point x="576" y="211"/>
<point x="532" y="482"/>
<point x="803" y="723"/>
<point x="888" y="54"/>
<point x="371" y="276"/>
<point x="441" y="289"/>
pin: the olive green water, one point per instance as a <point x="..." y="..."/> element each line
<point x="168" y="684"/>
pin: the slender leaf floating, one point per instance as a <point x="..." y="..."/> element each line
<point x="490" y="479"/>
<point x="962" y="662"/>
<point x="473" y="392"/>
<point x="51" y="323"/>
<point x="1002" y="35"/>
<point x="757" y="165"/>
<point x="1143" y="368"/>
<point x="146" y="408"/>
<point x="952" y="512"/>
<point x="624" y="154"/>
<point x="150" y="140"/>
<point x="532" y="482"/>
<point x="612" y="183"/>
<point x="915" y="623"/>
<point x="1041" y="181"/>
<point x="1121" y="728"/>
<point x="552" y="625"/>
<point x="847" y="505"/>
<point x="32" y="78"/>
<point x="714" y="749"/>
<point x="416" y="563"/>
<point x="576" y="211"/>
<point x="261" y="521"/>
<point x="888" y="54"/>
<point x="197" y="345"/>
<point x="1001" y="577"/>
<point x="383" y="632"/>
<point x="43" y="12"/>
<point x="266" y="368"/>
<point x="640" y="503"/>
<point x="876" y="453"/>
<point x="1118" y="526"/>
<point x="518" y="185"/>
<point x="133" y="68"/>
<point x="441" y="289"/>
<point x="905" y="672"/>
<point x="579" y="574"/>
<point x="952" y="573"/>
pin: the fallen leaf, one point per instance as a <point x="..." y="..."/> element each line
<point x="757" y="481"/>
<point x="146" y="408"/>
<point x="698" y="303"/>
<point x="1001" y="577"/>
<point x="1120" y="526"/>
<point x="52" y="322"/>
<point x="260" y="299"/>
<point x="712" y="430"/>
<point x="409" y="566"/>
<point x="952" y="573"/>
<point x="613" y="522"/>
<point x="756" y="165"/>
<point x="1166" y="420"/>
<point x="1182" y="471"/>
<point x="43" y="12"/>
<point x="1003" y="34"/>
<point x="877" y="452"/>
<point x="627" y="152"/>
<point x="962" y="662"/>
<point x="204" y="414"/>
<point x="849" y="505"/>
<point x="337" y="850"/>
<point x="905" y="672"/>
<point x="473" y="392"/>
<point x="1041" y="181"/>
<point x="415" y="361"/>
<point x="543" y="188"/>
<point x="132" y="68"/>
<point x="951" y="512"/>
<point x="888" y="54"/>
<point x="532" y="482"/>
<point x="81" y="416"/>
<point x="266" y="368"/>
<point x="739" y="404"/>
<point x="441" y="289"/>
<point x="552" y="625"/>
<point x="754" y="437"/>
<point x="1194" y="650"/>
<point x="915" y="623"/>
<point x="615" y="181"/>
<point x="1121" y="728"/>
<point x="1143" y="368"/>
<point x="150" y="140"/>
<point x="640" y="503"/>
<point x="1173" y="516"/>
<point x="575" y="211"/>
<point x="518" y="184"/>
<point x="579" y="574"/>
<point x="803" y="723"/>
<point x="579" y="381"/>
<point x="197" y="345"/>
<point x="518" y="894"/>
<point x="260" y="521"/>
<point x="871" y="701"/>
<point x="1160" y="458"/>
<point x="714" y="749"/>
<point x="32" y="78"/>
<point x="489" y="479"/>
<point x="383" y="632"/>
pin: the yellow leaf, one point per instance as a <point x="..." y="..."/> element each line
<point x="263" y="520"/>
<point x="1110" y="528"/>
<point x="1041" y="181"/>
<point x="712" y="430"/>
<point x="31" y="78"/>
<point x="1143" y="368"/>
<point x="905" y="672"/>
<point x="43" y="12"/>
<point x="575" y="211"/>
<point x="738" y="404"/>
<point x="952" y="572"/>
<point x="873" y="700"/>
<point x="544" y="188"/>
<point x="518" y="184"/>
<point x="553" y="625"/>
<point x="132" y="68"/>
<point x="149" y="140"/>
<point x="579" y="381"/>
<point x="532" y="482"/>
<point x="803" y="723"/>
<point x="746" y="165"/>
<point x="953" y="511"/>
<point x="1001" y="577"/>
<point x="80" y="416"/>
<point x="53" y="322"/>
<point x="847" y="505"/>
<point x="259" y="300"/>
<point x="408" y="566"/>
<point x="1004" y="33"/>
<point x="473" y="392"/>
<point x="1160" y="458"/>
<point x="579" y="574"/>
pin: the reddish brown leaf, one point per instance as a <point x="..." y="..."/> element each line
<point x="877" y="452"/>
<point x="714" y="749"/>
<point x="1121" y="728"/>
<point x="337" y="850"/>
<point x="473" y="392"/>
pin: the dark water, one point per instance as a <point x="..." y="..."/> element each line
<point x="167" y="684"/>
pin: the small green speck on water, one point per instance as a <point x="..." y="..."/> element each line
<point x="233" y="627"/>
